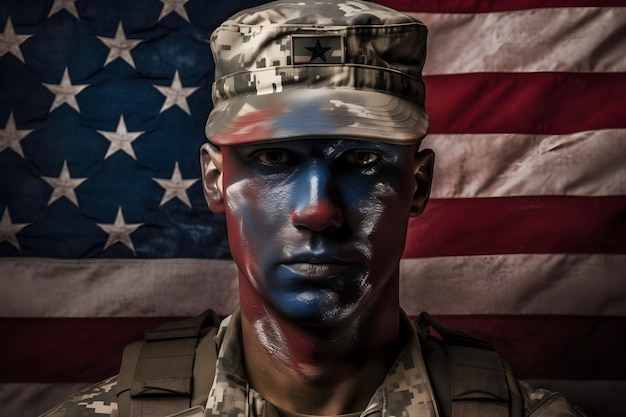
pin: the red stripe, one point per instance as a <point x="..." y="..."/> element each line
<point x="540" y="103"/>
<point x="553" y="347"/>
<point x="507" y="225"/>
<point x="89" y="349"/>
<point x="67" y="349"/>
<point x="482" y="6"/>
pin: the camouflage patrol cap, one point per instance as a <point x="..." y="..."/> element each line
<point x="302" y="68"/>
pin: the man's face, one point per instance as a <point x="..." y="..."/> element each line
<point x="317" y="226"/>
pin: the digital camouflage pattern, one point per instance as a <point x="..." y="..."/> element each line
<point x="406" y="387"/>
<point x="318" y="68"/>
<point x="406" y="391"/>
<point x="96" y="400"/>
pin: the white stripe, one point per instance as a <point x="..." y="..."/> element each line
<point x="576" y="39"/>
<point x="495" y="165"/>
<point x="497" y="284"/>
<point x="43" y="287"/>
<point x="515" y="284"/>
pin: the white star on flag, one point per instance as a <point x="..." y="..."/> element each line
<point x="121" y="139"/>
<point x="177" y="6"/>
<point x="64" y="185"/>
<point x="176" y="94"/>
<point x="8" y="229"/>
<point x="10" y="41"/>
<point x="119" y="231"/>
<point x="65" y="92"/>
<point x="176" y="187"/>
<point x="119" y="46"/>
<point x="10" y="136"/>
<point x="68" y="5"/>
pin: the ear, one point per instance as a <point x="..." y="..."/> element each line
<point x="424" y="163"/>
<point x="211" y="160"/>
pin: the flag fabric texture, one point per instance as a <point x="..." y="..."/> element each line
<point x="104" y="231"/>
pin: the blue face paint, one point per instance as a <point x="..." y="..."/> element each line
<point x="317" y="226"/>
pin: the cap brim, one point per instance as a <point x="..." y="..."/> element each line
<point x="317" y="112"/>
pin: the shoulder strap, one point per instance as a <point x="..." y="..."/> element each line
<point x="469" y="377"/>
<point x="156" y="377"/>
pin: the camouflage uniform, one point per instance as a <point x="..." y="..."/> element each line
<point x="327" y="68"/>
<point x="405" y="392"/>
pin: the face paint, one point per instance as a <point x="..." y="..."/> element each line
<point x="317" y="226"/>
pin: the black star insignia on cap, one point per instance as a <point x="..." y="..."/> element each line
<point x="318" y="51"/>
<point x="327" y="49"/>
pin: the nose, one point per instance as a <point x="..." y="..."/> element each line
<point x="316" y="206"/>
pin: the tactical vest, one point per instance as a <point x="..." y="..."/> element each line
<point x="172" y="369"/>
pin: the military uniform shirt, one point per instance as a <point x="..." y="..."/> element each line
<point x="405" y="392"/>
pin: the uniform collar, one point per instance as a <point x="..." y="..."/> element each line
<point x="406" y="390"/>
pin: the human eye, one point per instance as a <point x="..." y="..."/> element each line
<point x="272" y="157"/>
<point x="362" y="158"/>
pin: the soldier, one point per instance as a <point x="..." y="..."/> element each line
<point x="314" y="157"/>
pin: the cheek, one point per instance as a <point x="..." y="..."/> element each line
<point x="256" y="203"/>
<point x="384" y="206"/>
<point x="241" y="205"/>
<point x="243" y="201"/>
<point x="374" y="208"/>
<point x="255" y="213"/>
<point x="384" y="218"/>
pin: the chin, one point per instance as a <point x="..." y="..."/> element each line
<point x="315" y="309"/>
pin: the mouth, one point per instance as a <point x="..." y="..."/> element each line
<point x="320" y="270"/>
<point x="318" y="264"/>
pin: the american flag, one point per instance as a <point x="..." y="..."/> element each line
<point x="104" y="231"/>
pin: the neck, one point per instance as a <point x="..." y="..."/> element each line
<point x="321" y="371"/>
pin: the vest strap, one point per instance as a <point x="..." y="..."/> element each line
<point x="479" y="384"/>
<point x="161" y="381"/>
